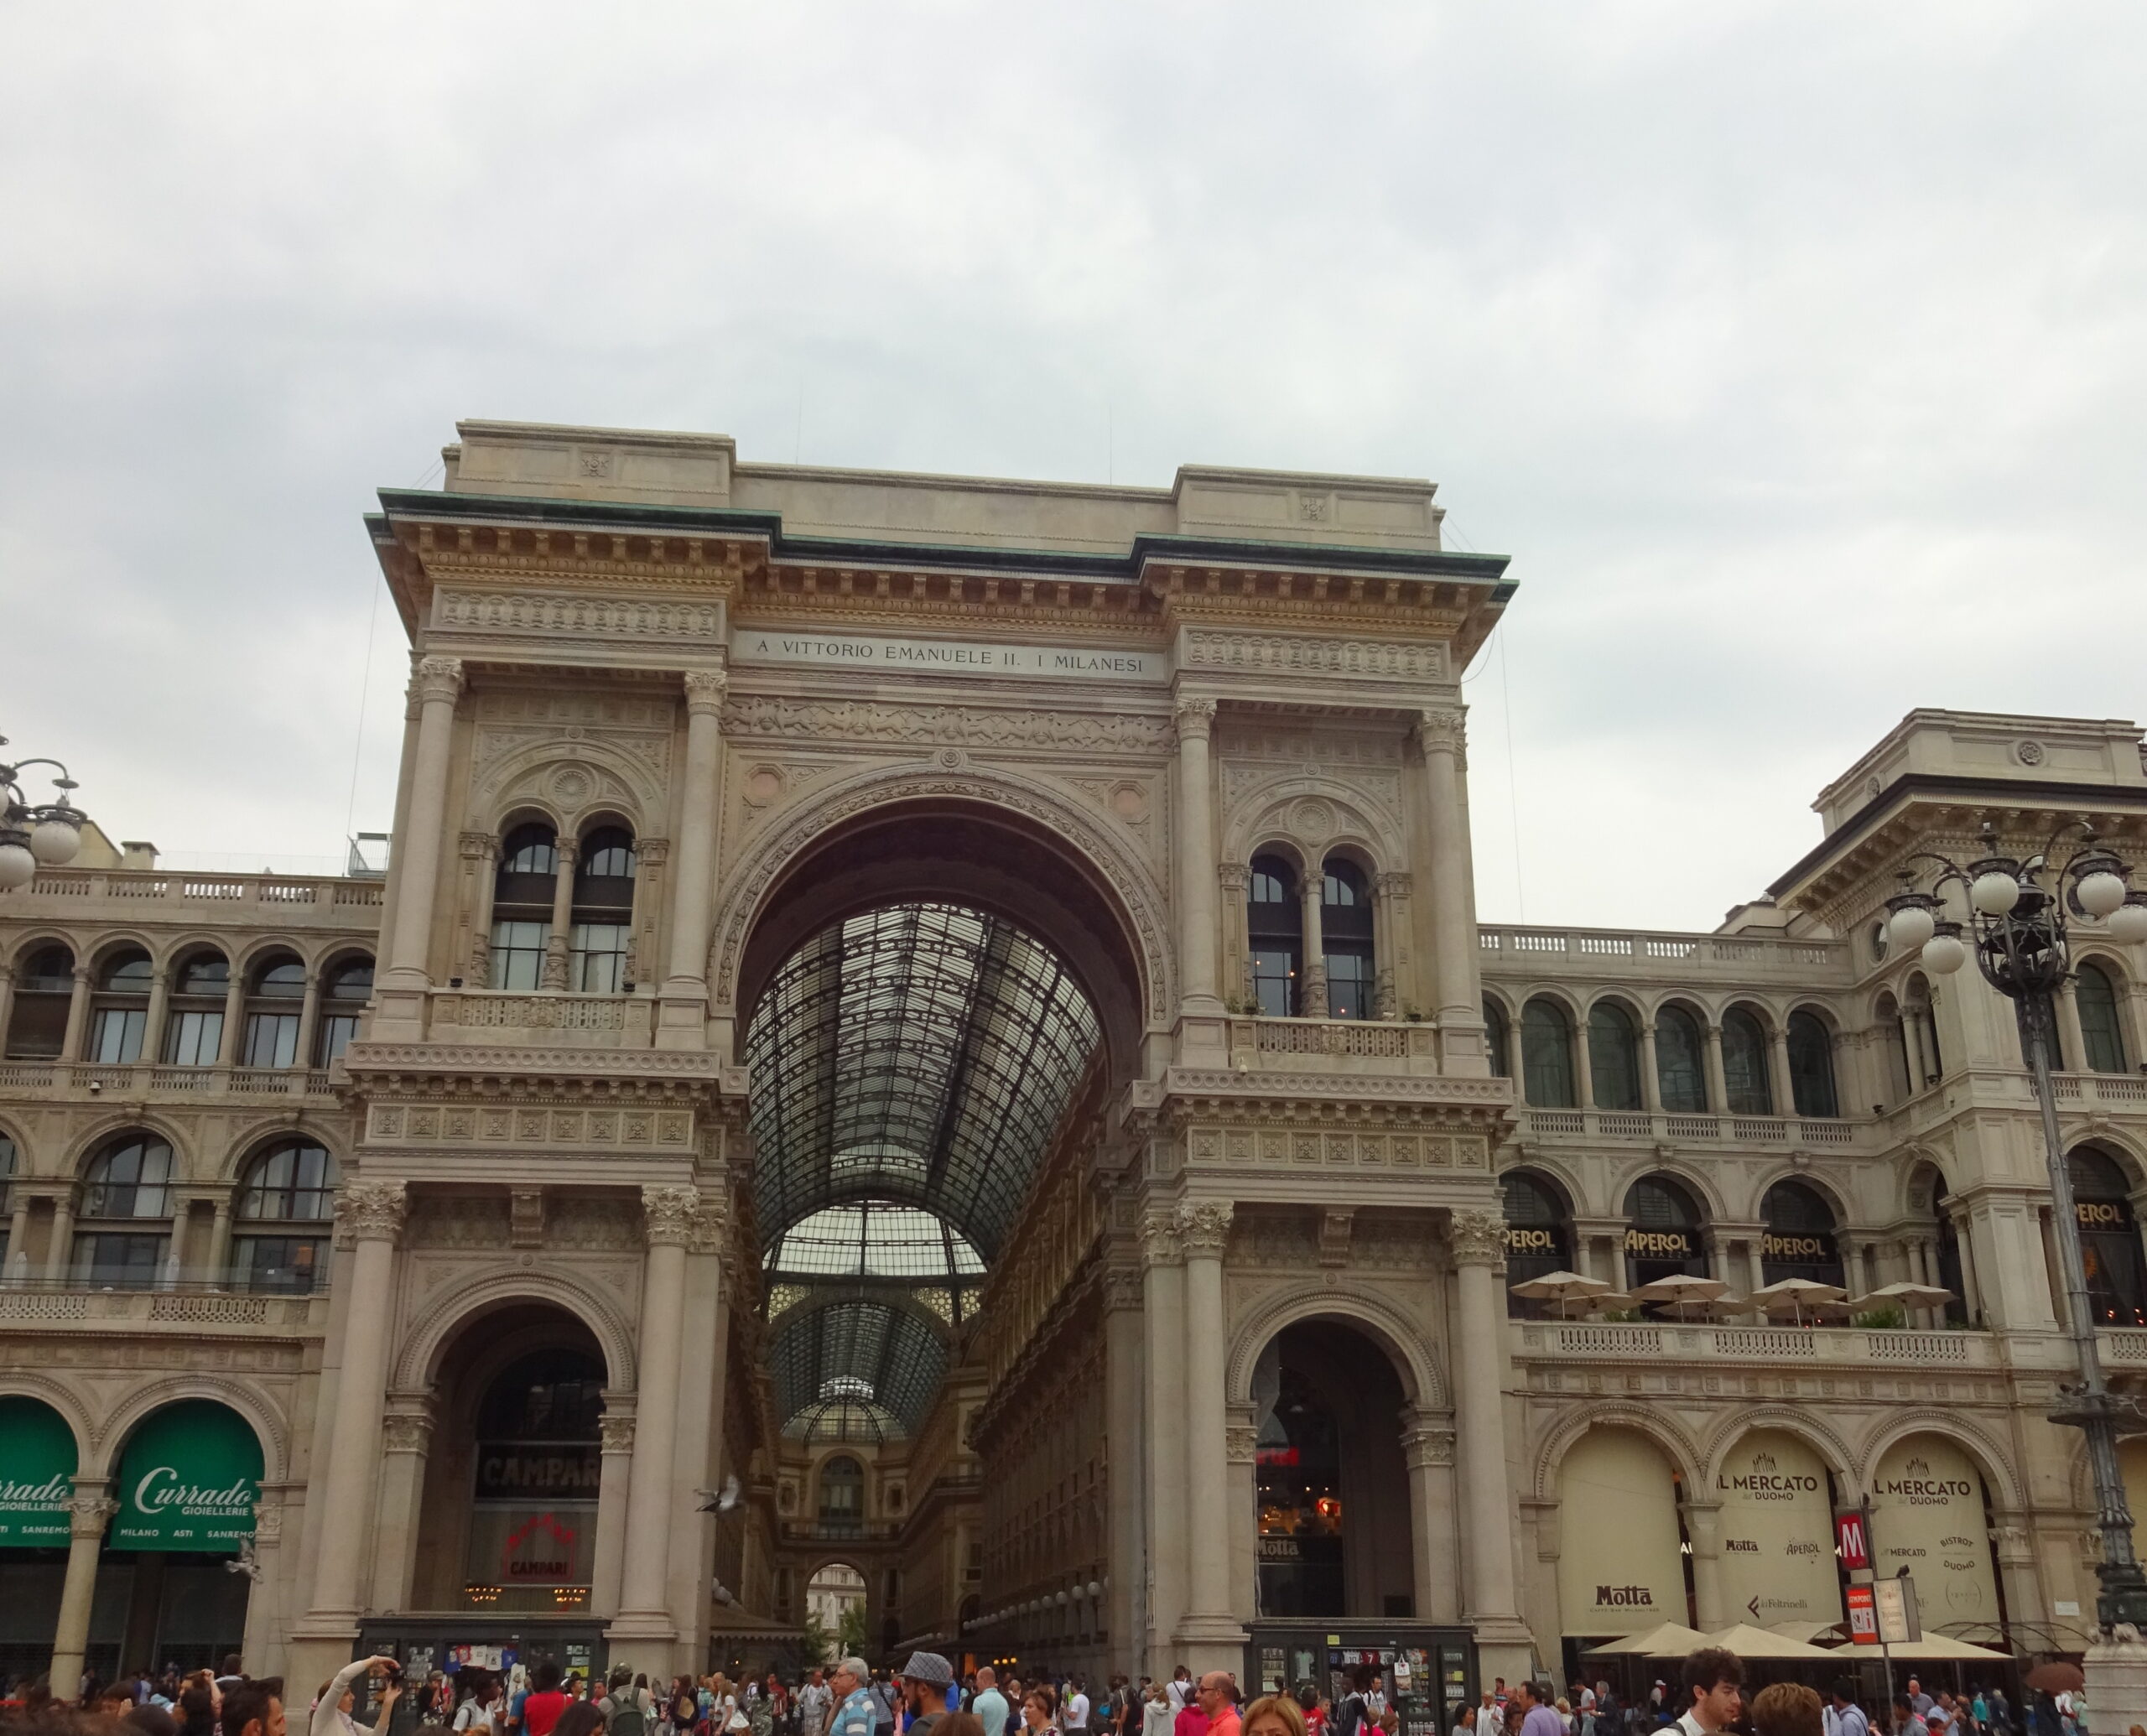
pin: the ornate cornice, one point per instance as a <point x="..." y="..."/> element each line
<point x="1203" y="1226"/>
<point x="371" y="1211"/>
<point x="767" y="716"/>
<point x="671" y="1215"/>
<point x="1476" y="1238"/>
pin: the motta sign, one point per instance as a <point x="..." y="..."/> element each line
<point x="37" y="1474"/>
<point x="947" y="656"/>
<point x="188" y="1481"/>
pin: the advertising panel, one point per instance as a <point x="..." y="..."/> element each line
<point x="37" y="1475"/>
<point x="1619" y="1566"/>
<point x="1927" y="1515"/>
<point x="188" y="1481"/>
<point x="517" y="1544"/>
<point x="1777" y="1532"/>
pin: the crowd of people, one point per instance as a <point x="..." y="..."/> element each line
<point x="926" y="1697"/>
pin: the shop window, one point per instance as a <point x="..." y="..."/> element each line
<point x="1539" y="1236"/>
<point x="343" y="1000"/>
<point x="273" y="1006"/>
<point x="1663" y="1236"/>
<point x="1275" y="927"/>
<point x="285" y="1206"/>
<point x="1745" y="1064"/>
<point x="2102" y="1030"/>
<point x="1811" y="1067"/>
<point x="1800" y="1240"/>
<point x="1297" y="1460"/>
<point x="2109" y="1238"/>
<point x="1345" y="926"/>
<point x="1614" y="1057"/>
<point x="1681" y="1063"/>
<point x="1546" y="1055"/>
<point x="1497" y="1039"/>
<point x="37" y="1023"/>
<point x="119" y="1014"/>
<point x="193" y="1029"/>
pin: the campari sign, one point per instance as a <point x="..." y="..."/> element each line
<point x="188" y="1481"/>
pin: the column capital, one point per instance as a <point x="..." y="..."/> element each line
<point x="706" y="689"/>
<point x="671" y="1215"/>
<point x="1233" y="876"/>
<point x="371" y="1211"/>
<point x="1477" y="1237"/>
<point x="1159" y="1240"/>
<point x="405" y="1431"/>
<point x="711" y="1225"/>
<point x="478" y="846"/>
<point x="89" y="1511"/>
<point x="1426" y="1441"/>
<point x="1395" y="883"/>
<point x="652" y="852"/>
<point x="1440" y="730"/>
<point x="436" y="678"/>
<point x="616" y="1432"/>
<point x="1195" y="718"/>
<point x="1203" y="1226"/>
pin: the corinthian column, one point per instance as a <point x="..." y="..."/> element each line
<point x="435" y="684"/>
<point x="644" y="1612"/>
<point x="1454" y="928"/>
<point x="371" y="1212"/>
<point x="556" y="945"/>
<point x="1195" y="859"/>
<point x="1209" y="1634"/>
<point x="1478" y="1243"/>
<point x="88" y="1513"/>
<point x="683" y="1023"/>
<point x="1311" y="983"/>
<point x="1162" y="1322"/>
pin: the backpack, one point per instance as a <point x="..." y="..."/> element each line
<point x="627" y="1719"/>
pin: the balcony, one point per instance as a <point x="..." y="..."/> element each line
<point x="1693" y="958"/>
<point x="840" y="1531"/>
<point x="1670" y="1341"/>
<point x="1659" y="1127"/>
<point x="143" y="892"/>
<point x="141" y="1081"/>
<point x="550" y="1017"/>
<point x="1330" y="1045"/>
<point x="185" y="1308"/>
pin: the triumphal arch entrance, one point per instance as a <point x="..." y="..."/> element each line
<point x="926" y="1075"/>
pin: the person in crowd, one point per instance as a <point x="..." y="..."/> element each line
<point x="1218" y="1699"/>
<point x="1843" y="1716"/>
<point x="197" y="1706"/>
<point x="1315" y="1709"/>
<point x="1538" y="1713"/>
<point x="855" y="1713"/>
<point x="1155" y="1712"/>
<point x="1191" y="1720"/>
<point x="331" y="1712"/>
<point x="1077" y="1708"/>
<point x="1714" y="1692"/>
<point x="1275" y="1715"/>
<point x="928" y="1682"/>
<point x="1040" y="1711"/>
<point x="959" y="1723"/>
<point x="150" y="1719"/>
<point x="1909" y="1721"/>
<point x="1181" y="1688"/>
<point x="1465" y="1725"/>
<point x="629" y="1708"/>
<point x="542" y="1706"/>
<point x="482" y="1712"/>
<point x="253" y="1708"/>
<point x="1787" y="1709"/>
<point x="231" y="1673"/>
<point x="989" y="1706"/>
<point x="815" y="1706"/>
<point x="579" y="1718"/>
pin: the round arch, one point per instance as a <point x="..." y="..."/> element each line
<point x="252" y="1137"/>
<point x="834" y="1295"/>
<point x="1676" y="1446"/>
<point x="1824" y="1185"/>
<point x="1988" y="1454"/>
<point x="417" y="1363"/>
<point x="179" y="948"/>
<point x="1340" y="819"/>
<point x="1705" y="1190"/>
<point x="32" y="939"/>
<point x="1284" y="849"/>
<point x="1715" y="1449"/>
<point x="1387" y="1325"/>
<point x="563" y="783"/>
<point x="28" y="1382"/>
<point x="270" y="1427"/>
<point x="969" y="834"/>
<point x="85" y="1145"/>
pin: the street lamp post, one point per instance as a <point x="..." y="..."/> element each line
<point x="34" y="834"/>
<point x="2023" y="951"/>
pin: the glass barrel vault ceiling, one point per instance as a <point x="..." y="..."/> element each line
<point x="910" y="1067"/>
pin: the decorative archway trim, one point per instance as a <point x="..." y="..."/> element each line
<point x="1613" y="1413"/>
<point x="444" y="1316"/>
<point x="270" y="1424"/>
<point x="1390" y="1326"/>
<point x="1730" y="1430"/>
<point x="23" y="1383"/>
<point x="1990" y="1455"/>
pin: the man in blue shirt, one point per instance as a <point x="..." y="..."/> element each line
<point x="855" y="1713"/>
<point x="990" y="1705"/>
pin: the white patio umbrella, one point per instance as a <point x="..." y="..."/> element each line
<point x="1748" y="1641"/>
<point x="1671" y="1639"/>
<point x="1680" y="1291"/>
<point x="1787" y="1296"/>
<point x="1904" y="1295"/>
<point x="1563" y="1290"/>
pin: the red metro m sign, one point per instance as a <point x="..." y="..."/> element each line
<point x="1852" y="1540"/>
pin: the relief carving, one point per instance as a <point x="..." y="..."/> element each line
<point x="370" y="1211"/>
<point x="1294" y="654"/>
<point x="577" y="614"/>
<point x="765" y="716"/>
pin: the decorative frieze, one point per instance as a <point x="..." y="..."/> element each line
<point x="578" y="614"/>
<point x="765" y="717"/>
<point x="1281" y="1146"/>
<point x="627" y="1127"/>
<point x="1303" y="654"/>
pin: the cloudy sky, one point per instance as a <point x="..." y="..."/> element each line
<point x="1794" y="353"/>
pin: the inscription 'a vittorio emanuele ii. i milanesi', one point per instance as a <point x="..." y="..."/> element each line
<point x="915" y="656"/>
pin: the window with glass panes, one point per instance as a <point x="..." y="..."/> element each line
<point x="2102" y="1030"/>
<point x="1274" y="926"/>
<point x="284" y="1208"/>
<point x="124" y="1228"/>
<point x="1614" y="1057"/>
<point x="194" y="1028"/>
<point x="1745" y="1064"/>
<point x="37" y="1018"/>
<point x="1546" y="1055"/>
<point x="1680" y="1067"/>
<point x="1811" y="1066"/>
<point x="120" y="1013"/>
<point x="2109" y="1238"/>
<point x="522" y="907"/>
<point x="343" y="1002"/>
<point x="1345" y="935"/>
<point x="1496" y="1039"/>
<point x="273" y="1012"/>
<point x="603" y="912"/>
<point x="1662" y="1233"/>
<point x="1799" y="1241"/>
<point x="1539" y="1237"/>
<point x="7" y="1195"/>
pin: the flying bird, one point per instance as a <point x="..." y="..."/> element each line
<point x="246" y="1561"/>
<point x="712" y="1501"/>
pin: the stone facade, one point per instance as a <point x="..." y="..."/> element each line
<point x="1158" y="695"/>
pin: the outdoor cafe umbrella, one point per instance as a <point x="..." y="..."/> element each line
<point x="1944" y="1649"/>
<point x="1905" y="1295"/>
<point x="1671" y="1639"/>
<point x="1787" y="1296"/>
<point x="1562" y="1290"/>
<point x="1680" y="1292"/>
<point x="1748" y="1641"/>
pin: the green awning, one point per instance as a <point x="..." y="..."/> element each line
<point x="188" y="1481"/>
<point x="37" y="1474"/>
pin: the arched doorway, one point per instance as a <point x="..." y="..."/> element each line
<point x="836" y="1599"/>
<point x="1623" y="1554"/>
<point x="1332" y="1489"/>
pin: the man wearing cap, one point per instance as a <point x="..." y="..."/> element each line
<point x="854" y="1712"/>
<point x="928" y="1679"/>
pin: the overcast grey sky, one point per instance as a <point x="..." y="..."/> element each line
<point x="1794" y="353"/>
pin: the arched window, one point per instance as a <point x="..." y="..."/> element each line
<point x="1811" y="1066"/>
<point x="1274" y="924"/>
<point x="1345" y="937"/>
<point x="1539" y="1236"/>
<point x="521" y="905"/>
<point x="1893" y="1043"/>
<point x="37" y="1024"/>
<point x="1799" y="1241"/>
<point x="275" y="999"/>
<point x="2110" y="1239"/>
<point x="1680" y="1065"/>
<point x="1546" y="1055"/>
<point x="193" y="1030"/>
<point x="1496" y="1039"/>
<point x="343" y="998"/>
<point x="285" y="1205"/>
<point x="1614" y="1057"/>
<point x="125" y="1225"/>
<point x="842" y="1492"/>
<point x="1745" y="1064"/>
<point x="1662" y="1233"/>
<point x="7" y="1200"/>
<point x="1951" y="1278"/>
<point x="2102" y="1032"/>
<point x="119" y="1014"/>
<point x="603" y="912"/>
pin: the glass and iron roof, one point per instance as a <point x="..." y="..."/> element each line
<point x="910" y="1067"/>
<point x="922" y="1053"/>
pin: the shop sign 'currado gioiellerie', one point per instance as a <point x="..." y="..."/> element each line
<point x="188" y="1481"/>
<point x="37" y="1475"/>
